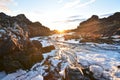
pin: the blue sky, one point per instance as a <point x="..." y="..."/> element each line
<point x="59" y="14"/>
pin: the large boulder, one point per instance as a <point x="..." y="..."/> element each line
<point x="16" y="50"/>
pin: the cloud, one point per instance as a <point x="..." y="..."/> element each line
<point x="71" y="4"/>
<point x="85" y="4"/>
<point x="4" y="5"/>
<point x="60" y="1"/>
<point x="75" y="16"/>
<point x="75" y="20"/>
<point x="77" y="4"/>
<point x="71" y="20"/>
<point x="106" y="15"/>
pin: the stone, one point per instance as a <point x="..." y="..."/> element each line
<point x="16" y="49"/>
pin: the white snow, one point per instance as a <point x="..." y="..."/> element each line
<point x="62" y="73"/>
<point x="97" y="71"/>
<point x="45" y="43"/>
<point x="56" y="35"/>
<point x="2" y="31"/>
<point x="116" y="39"/>
<point x="39" y="77"/>
<point x="23" y="75"/>
<point x="116" y="36"/>
<point x="104" y="37"/>
<point x="52" y="53"/>
<point x="35" y="38"/>
<point x="43" y="40"/>
<point x="102" y="59"/>
<point x="15" y="75"/>
<point x="72" y="41"/>
<point x="2" y="75"/>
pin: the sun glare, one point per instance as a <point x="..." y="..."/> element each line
<point x="61" y="31"/>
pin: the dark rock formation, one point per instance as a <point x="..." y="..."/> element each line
<point x="16" y="50"/>
<point x="33" y="28"/>
<point x="95" y="27"/>
<point x="48" y="48"/>
<point x="73" y="74"/>
<point x="36" y="29"/>
<point x="68" y="37"/>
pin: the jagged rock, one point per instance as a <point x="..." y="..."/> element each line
<point x="36" y="29"/>
<point x="33" y="28"/>
<point x="73" y="74"/>
<point x="68" y="37"/>
<point x="16" y="50"/>
<point x="96" y="28"/>
<point x="48" y="48"/>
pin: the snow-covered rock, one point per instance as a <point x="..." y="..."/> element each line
<point x="38" y="77"/>
<point x="72" y="41"/>
<point x="96" y="70"/>
<point x="2" y="75"/>
<point x="43" y="40"/>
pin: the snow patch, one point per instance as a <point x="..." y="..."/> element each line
<point x="2" y="75"/>
<point x="39" y="77"/>
<point x="116" y="36"/>
<point x="72" y="41"/>
<point x="34" y="38"/>
<point x="96" y="70"/>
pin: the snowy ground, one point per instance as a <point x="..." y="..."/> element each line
<point x="43" y="40"/>
<point x="102" y="59"/>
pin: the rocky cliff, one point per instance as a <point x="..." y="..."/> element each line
<point x="96" y="27"/>
<point x="33" y="28"/>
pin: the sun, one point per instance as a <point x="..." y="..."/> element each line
<point x="61" y="31"/>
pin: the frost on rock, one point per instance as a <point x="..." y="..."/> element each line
<point x="23" y="75"/>
<point x="43" y="40"/>
<point x="2" y="75"/>
<point x="96" y="70"/>
<point x="39" y="77"/>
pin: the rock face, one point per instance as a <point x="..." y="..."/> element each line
<point x="16" y="50"/>
<point x="34" y="29"/>
<point x="95" y="27"/>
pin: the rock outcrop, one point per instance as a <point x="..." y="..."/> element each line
<point x="95" y="27"/>
<point x="16" y="50"/>
<point x="33" y="28"/>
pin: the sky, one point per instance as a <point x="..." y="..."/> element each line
<point x="60" y="14"/>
